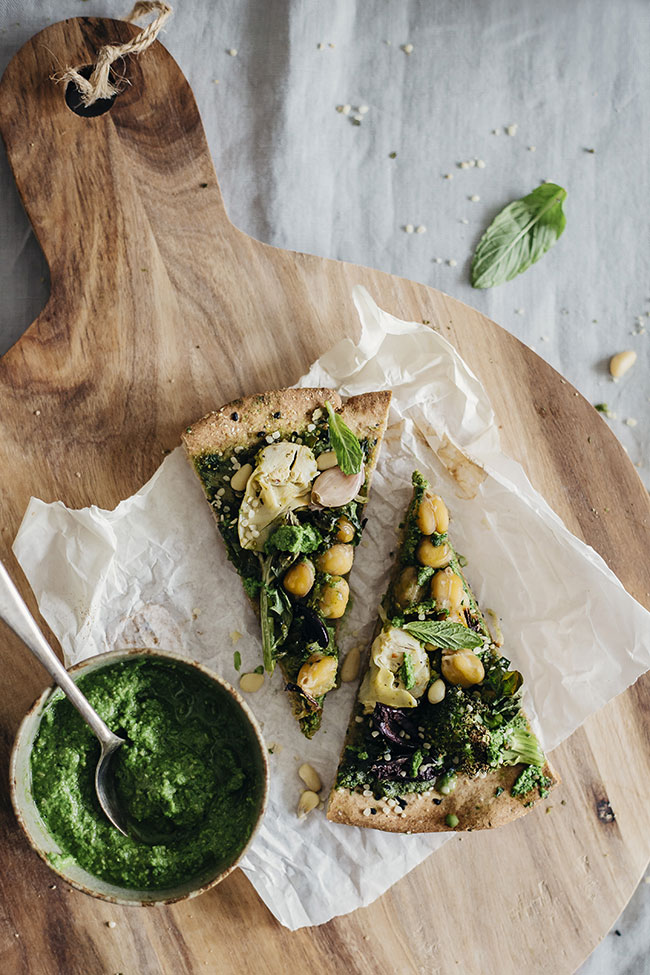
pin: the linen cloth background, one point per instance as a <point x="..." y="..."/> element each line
<point x="297" y="174"/>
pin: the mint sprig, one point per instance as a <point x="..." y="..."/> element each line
<point x="444" y="635"/>
<point x="347" y="448"/>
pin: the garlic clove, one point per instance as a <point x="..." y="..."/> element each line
<point x="332" y="488"/>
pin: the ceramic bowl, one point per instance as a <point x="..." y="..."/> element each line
<point x="44" y="844"/>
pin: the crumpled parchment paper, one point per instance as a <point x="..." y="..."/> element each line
<point x="153" y="572"/>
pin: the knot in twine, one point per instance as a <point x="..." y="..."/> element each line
<point x="99" y="84"/>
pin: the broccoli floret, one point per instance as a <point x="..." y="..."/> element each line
<point x="522" y="747"/>
<point x="251" y="586"/>
<point x="294" y="538"/>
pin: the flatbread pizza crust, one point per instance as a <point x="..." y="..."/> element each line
<point x="473" y="801"/>
<point x="241" y="422"/>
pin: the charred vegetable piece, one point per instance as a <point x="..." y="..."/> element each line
<point x="390" y="721"/>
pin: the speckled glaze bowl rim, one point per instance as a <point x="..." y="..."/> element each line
<point x="35" y="711"/>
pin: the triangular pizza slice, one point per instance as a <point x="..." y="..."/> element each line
<point x="287" y="475"/>
<point x="438" y="739"/>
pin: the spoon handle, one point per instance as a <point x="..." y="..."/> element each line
<point x="16" y="615"/>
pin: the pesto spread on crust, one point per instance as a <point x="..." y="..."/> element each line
<point x="439" y="699"/>
<point x="293" y="555"/>
<point x="184" y="772"/>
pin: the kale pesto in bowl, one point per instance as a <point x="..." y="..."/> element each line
<point x="192" y="773"/>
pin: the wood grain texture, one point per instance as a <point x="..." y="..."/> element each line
<point x="160" y="310"/>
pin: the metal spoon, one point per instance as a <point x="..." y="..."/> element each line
<point x="16" y="615"/>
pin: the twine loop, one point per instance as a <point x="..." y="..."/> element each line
<point x="99" y="84"/>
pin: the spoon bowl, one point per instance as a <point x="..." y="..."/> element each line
<point x="16" y="615"/>
<point x="105" y="785"/>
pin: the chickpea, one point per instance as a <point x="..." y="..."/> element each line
<point x="345" y="531"/>
<point x="458" y="617"/>
<point x="426" y="519"/>
<point x="334" y="598"/>
<point x="441" y="514"/>
<point x="406" y="591"/>
<point x="462" y="667"/>
<point x="318" y="674"/>
<point x="299" y="579"/>
<point x="432" y="515"/>
<point x="436" y="556"/>
<point x="448" y="591"/>
<point x="337" y="560"/>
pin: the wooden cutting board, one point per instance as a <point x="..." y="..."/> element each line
<point x="160" y="310"/>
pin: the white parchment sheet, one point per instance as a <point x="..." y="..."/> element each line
<point x="153" y="572"/>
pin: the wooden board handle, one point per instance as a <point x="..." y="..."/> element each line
<point x="84" y="181"/>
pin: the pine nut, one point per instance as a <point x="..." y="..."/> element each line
<point x="350" y="666"/>
<point x="239" y="479"/>
<point x="308" y="801"/>
<point x="250" y="683"/>
<point x="310" y="777"/>
<point x="436" y="692"/>
<point x="620" y="363"/>
<point x="326" y="460"/>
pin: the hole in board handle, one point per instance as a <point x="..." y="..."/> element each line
<point x="75" y="104"/>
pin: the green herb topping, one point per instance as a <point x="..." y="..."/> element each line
<point x="345" y="444"/>
<point x="519" y="236"/>
<point x="406" y="673"/>
<point x="444" y="635"/>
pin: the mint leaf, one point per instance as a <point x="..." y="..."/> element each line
<point x="347" y="448"/>
<point x="519" y="236"/>
<point x="445" y="635"/>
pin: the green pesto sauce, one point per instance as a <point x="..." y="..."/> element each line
<point x="186" y="771"/>
<point x="298" y="539"/>
<point x="531" y="778"/>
